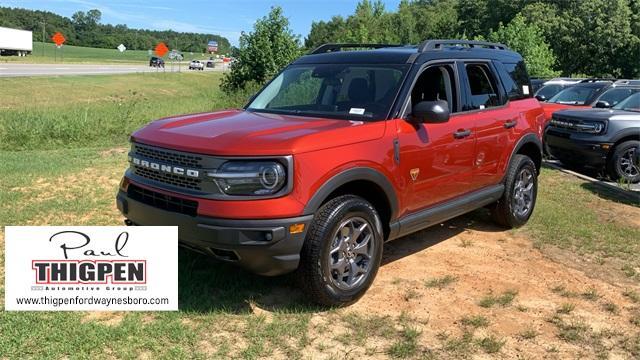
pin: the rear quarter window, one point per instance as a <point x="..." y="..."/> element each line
<point x="515" y="80"/>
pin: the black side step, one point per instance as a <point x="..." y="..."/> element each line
<point x="443" y="212"/>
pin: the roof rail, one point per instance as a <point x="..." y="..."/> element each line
<point x="325" y="48"/>
<point x="627" y="82"/>
<point x="592" y="80"/>
<point x="439" y="44"/>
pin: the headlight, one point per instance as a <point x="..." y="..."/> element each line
<point x="592" y="128"/>
<point x="250" y="177"/>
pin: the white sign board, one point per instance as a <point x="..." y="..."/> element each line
<point x="70" y="268"/>
<point x="121" y="48"/>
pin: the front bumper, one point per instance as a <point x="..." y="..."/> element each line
<point x="264" y="246"/>
<point x="588" y="152"/>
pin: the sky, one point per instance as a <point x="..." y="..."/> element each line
<point x="227" y="18"/>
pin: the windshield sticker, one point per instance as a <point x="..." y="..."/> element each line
<point x="525" y="89"/>
<point x="356" y="111"/>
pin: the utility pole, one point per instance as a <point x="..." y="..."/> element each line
<point x="44" y="23"/>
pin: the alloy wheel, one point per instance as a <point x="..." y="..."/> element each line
<point x="351" y="253"/>
<point x="523" y="193"/>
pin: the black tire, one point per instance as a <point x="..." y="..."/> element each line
<point x="622" y="157"/>
<point x="315" y="273"/>
<point x="508" y="211"/>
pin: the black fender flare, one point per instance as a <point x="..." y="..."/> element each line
<point x="526" y="139"/>
<point x="354" y="174"/>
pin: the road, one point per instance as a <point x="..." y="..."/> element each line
<point x="15" y="70"/>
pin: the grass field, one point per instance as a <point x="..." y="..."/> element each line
<point x="76" y="151"/>
<point x="78" y="54"/>
<point x="99" y="110"/>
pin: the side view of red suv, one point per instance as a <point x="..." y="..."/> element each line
<point x="348" y="147"/>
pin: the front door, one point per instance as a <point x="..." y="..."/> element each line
<point x="436" y="160"/>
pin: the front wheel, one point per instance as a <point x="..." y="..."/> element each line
<point x="342" y="252"/>
<point x="623" y="163"/>
<point x="520" y="193"/>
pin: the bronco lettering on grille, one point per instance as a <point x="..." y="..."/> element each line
<point x="177" y="170"/>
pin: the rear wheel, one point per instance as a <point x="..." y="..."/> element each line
<point x="519" y="198"/>
<point x="341" y="254"/>
<point x="622" y="164"/>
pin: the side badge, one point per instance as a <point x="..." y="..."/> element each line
<point x="414" y="173"/>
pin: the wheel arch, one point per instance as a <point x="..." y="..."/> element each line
<point x="531" y="146"/>
<point x="365" y="182"/>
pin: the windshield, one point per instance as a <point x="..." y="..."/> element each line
<point x="632" y="103"/>
<point x="549" y="90"/>
<point x="575" y="95"/>
<point x="343" y="91"/>
<point x="614" y="96"/>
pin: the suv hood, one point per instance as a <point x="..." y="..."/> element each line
<point x="244" y="133"/>
<point x="550" y="108"/>
<point x="598" y="114"/>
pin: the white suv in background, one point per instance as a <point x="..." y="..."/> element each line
<point x="196" y="65"/>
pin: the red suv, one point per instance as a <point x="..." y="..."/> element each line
<point x="340" y="152"/>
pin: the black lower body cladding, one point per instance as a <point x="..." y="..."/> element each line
<point x="265" y="247"/>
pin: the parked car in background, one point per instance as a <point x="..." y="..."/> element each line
<point x="156" y="62"/>
<point x="619" y="91"/>
<point x="582" y="95"/>
<point x="536" y="84"/>
<point x="196" y="65"/>
<point x="382" y="143"/>
<point x="552" y="87"/>
<point x="607" y="139"/>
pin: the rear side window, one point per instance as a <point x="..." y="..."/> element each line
<point x="515" y="79"/>
<point x="483" y="86"/>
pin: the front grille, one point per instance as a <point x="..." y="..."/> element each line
<point x="564" y="123"/>
<point x="167" y="156"/>
<point x="171" y="179"/>
<point x="162" y="201"/>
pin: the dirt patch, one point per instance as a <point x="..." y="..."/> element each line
<point x="485" y="264"/>
<point x="107" y="318"/>
<point x="622" y="214"/>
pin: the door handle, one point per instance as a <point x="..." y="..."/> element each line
<point x="510" y="123"/>
<point x="462" y="133"/>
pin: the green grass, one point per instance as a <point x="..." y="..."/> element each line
<point x="78" y="111"/>
<point x="476" y="321"/>
<point x="441" y="282"/>
<point x="504" y="299"/>
<point x="567" y="216"/>
<point x="80" y="54"/>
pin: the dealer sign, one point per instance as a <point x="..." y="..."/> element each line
<point x="110" y="268"/>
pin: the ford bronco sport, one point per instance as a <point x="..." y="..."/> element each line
<point x="601" y="138"/>
<point x="340" y="152"/>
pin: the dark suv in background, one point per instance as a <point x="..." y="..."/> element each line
<point x="607" y="139"/>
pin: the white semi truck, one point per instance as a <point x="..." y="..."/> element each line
<point x="15" y="42"/>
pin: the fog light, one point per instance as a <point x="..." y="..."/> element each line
<point x="296" y="228"/>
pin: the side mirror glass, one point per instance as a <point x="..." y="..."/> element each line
<point x="433" y="112"/>
<point x="541" y="97"/>
<point x="603" y="104"/>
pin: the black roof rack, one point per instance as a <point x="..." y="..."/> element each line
<point x="593" y="80"/>
<point x="325" y="48"/>
<point x="439" y="44"/>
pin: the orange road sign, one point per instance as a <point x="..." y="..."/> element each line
<point x="161" y="49"/>
<point x="58" y="38"/>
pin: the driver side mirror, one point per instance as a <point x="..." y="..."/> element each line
<point x="603" y="104"/>
<point x="432" y="112"/>
<point x="541" y="97"/>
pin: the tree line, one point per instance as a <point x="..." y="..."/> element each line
<point x="85" y="29"/>
<point x="568" y="37"/>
